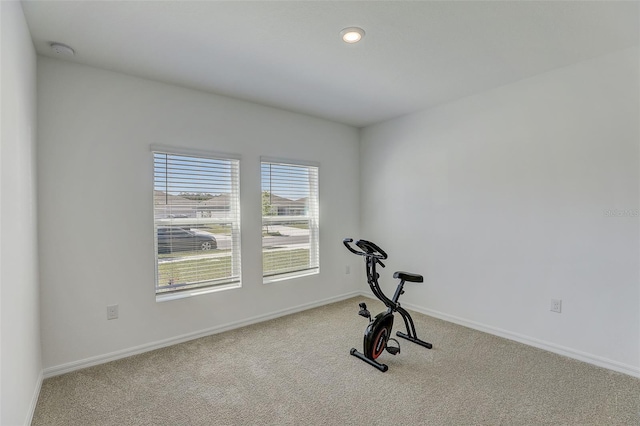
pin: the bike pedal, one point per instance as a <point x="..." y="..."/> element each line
<point x="393" y="350"/>
<point x="364" y="313"/>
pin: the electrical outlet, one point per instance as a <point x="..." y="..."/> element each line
<point x="347" y="270"/>
<point x="556" y="305"/>
<point x="112" y="312"/>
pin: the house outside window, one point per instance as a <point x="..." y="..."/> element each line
<point x="196" y="206"/>
<point x="290" y="219"/>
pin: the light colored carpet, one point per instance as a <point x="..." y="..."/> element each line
<point x="297" y="370"/>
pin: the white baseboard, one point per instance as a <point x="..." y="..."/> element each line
<point x="537" y="343"/>
<point x="551" y="347"/>
<point x="101" y="359"/>
<point x="34" y="399"/>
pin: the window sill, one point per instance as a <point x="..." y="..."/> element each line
<point x="291" y="275"/>
<point x="195" y="292"/>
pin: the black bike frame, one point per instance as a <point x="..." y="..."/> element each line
<point x="373" y="255"/>
<point x="392" y="304"/>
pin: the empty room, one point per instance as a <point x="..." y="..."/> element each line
<point x="320" y="212"/>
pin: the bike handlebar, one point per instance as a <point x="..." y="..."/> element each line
<point x="367" y="248"/>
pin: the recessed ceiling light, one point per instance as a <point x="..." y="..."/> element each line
<point x="352" y="34"/>
<point x="62" y="49"/>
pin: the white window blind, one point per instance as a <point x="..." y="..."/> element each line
<point x="290" y="220"/>
<point x="196" y="222"/>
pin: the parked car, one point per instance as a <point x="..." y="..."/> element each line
<point x="173" y="238"/>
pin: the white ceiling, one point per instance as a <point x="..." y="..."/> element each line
<point x="414" y="55"/>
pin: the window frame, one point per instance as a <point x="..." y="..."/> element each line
<point x="314" y="221"/>
<point x="207" y="286"/>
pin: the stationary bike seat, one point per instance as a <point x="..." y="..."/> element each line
<point x="407" y="276"/>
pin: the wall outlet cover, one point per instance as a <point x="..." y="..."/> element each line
<point x="112" y="312"/>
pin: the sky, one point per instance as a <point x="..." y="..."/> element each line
<point x="179" y="173"/>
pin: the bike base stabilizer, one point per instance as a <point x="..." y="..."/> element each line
<point x="376" y="364"/>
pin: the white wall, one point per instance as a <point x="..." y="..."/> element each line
<point x="500" y="200"/>
<point x="20" y="357"/>
<point x="96" y="218"/>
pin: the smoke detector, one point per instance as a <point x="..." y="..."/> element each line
<point x="62" y="49"/>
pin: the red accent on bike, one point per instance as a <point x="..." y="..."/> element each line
<point x="378" y="346"/>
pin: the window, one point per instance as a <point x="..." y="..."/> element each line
<point x="290" y="233"/>
<point x="196" y="222"/>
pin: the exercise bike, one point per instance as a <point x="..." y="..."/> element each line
<point x="377" y="335"/>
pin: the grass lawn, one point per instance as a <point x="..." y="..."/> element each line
<point x="304" y="225"/>
<point x="188" y="270"/>
<point x="284" y="260"/>
<point x="194" y="266"/>
<point x="216" y="228"/>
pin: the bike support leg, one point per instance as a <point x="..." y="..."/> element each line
<point x="411" y="330"/>
<point x="376" y="364"/>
